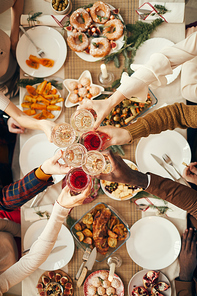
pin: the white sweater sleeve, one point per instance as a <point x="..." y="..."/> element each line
<point x="4" y="101"/>
<point x="189" y="80"/>
<point x="38" y="253"/>
<point x="160" y="64"/>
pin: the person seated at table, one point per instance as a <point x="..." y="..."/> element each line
<point x="171" y="191"/>
<point x="16" y="194"/>
<point x="15" y="272"/>
<point x="153" y="74"/>
<point x="8" y="67"/>
<point x="186" y="283"/>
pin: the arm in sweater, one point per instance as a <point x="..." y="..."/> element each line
<point x="39" y="251"/>
<point x="169" y="117"/>
<point x="159" y="65"/>
<point x="10" y="226"/>
<point x="19" y="192"/>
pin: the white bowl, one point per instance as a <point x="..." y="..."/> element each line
<point x="65" y="11"/>
<point x="115" y="198"/>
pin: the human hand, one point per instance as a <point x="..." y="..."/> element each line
<point x="14" y="126"/>
<point x="190" y="31"/>
<point x="52" y="166"/>
<point x="187" y="257"/>
<point x="66" y="200"/>
<point x="46" y="126"/>
<point x="122" y="173"/>
<point x="102" y="107"/>
<point x="117" y="135"/>
<point x="190" y="173"/>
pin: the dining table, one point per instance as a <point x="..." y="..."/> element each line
<point x="72" y="68"/>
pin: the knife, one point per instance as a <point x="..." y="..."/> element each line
<point x="144" y="10"/>
<point x="160" y="162"/>
<point x="88" y="266"/>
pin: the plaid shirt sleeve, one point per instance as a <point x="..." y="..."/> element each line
<point x="16" y="194"/>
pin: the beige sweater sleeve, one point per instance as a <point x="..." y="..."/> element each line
<point x="38" y="253"/>
<point x="4" y="101"/>
<point x="166" y="118"/>
<point x="189" y="80"/>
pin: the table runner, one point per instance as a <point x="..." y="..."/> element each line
<point x="73" y="68"/>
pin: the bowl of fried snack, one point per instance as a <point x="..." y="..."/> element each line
<point x="101" y="227"/>
<point x="42" y="101"/>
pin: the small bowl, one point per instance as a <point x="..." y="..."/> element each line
<point x="61" y="12"/>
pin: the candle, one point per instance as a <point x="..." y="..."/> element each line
<point x="104" y="71"/>
<point x="111" y="272"/>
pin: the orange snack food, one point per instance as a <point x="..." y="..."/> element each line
<point x="32" y="64"/>
<point x="47" y="62"/>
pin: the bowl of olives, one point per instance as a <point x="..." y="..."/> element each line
<point x="61" y="6"/>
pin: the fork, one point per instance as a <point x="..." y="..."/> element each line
<point x="168" y="160"/>
<point x="39" y="50"/>
<point x="85" y="257"/>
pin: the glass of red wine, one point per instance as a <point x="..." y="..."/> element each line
<point x="93" y="140"/>
<point x="77" y="180"/>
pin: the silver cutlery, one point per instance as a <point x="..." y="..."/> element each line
<point x="168" y="160"/>
<point x="160" y="162"/>
<point x="88" y="266"/>
<point x="39" y="50"/>
<point x="54" y="250"/>
<point x="85" y="257"/>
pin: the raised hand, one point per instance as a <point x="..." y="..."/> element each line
<point x="122" y="173"/>
<point x="68" y="201"/>
<point x="52" y="166"/>
<point x="190" y="173"/>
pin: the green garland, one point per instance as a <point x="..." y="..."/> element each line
<point x="134" y="36"/>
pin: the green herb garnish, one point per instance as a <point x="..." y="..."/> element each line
<point x="81" y="38"/>
<point x="33" y="18"/>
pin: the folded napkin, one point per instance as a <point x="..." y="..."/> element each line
<point x="175" y="13"/>
<point x="174" y="214"/>
<point x="38" y="213"/>
<point x="45" y="20"/>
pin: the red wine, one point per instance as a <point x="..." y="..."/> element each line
<point x="77" y="179"/>
<point x="92" y="141"/>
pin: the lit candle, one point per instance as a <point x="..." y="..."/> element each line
<point x="104" y="71"/>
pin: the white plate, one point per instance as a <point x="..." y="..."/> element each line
<point x="57" y="259"/>
<point x="136" y="281"/>
<point x="56" y="113"/>
<point x="151" y="46"/>
<point x="50" y="41"/>
<point x="170" y="142"/>
<point x="34" y="152"/>
<point x="119" y="43"/>
<point x="66" y="82"/>
<point x="154" y="243"/>
<point x="109" y="194"/>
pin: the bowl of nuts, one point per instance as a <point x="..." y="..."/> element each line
<point x="61" y="6"/>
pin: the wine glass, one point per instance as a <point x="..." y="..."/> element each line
<point x="74" y="154"/>
<point x="77" y="180"/>
<point x="96" y="163"/>
<point x="91" y="140"/>
<point x="63" y="135"/>
<point x="82" y="120"/>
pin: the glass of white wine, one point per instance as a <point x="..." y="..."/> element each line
<point x="63" y="135"/>
<point x="82" y="120"/>
<point x="74" y="155"/>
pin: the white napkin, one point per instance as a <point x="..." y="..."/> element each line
<point x="179" y="218"/>
<point x="38" y="213"/>
<point x="175" y="13"/>
<point x="45" y="20"/>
